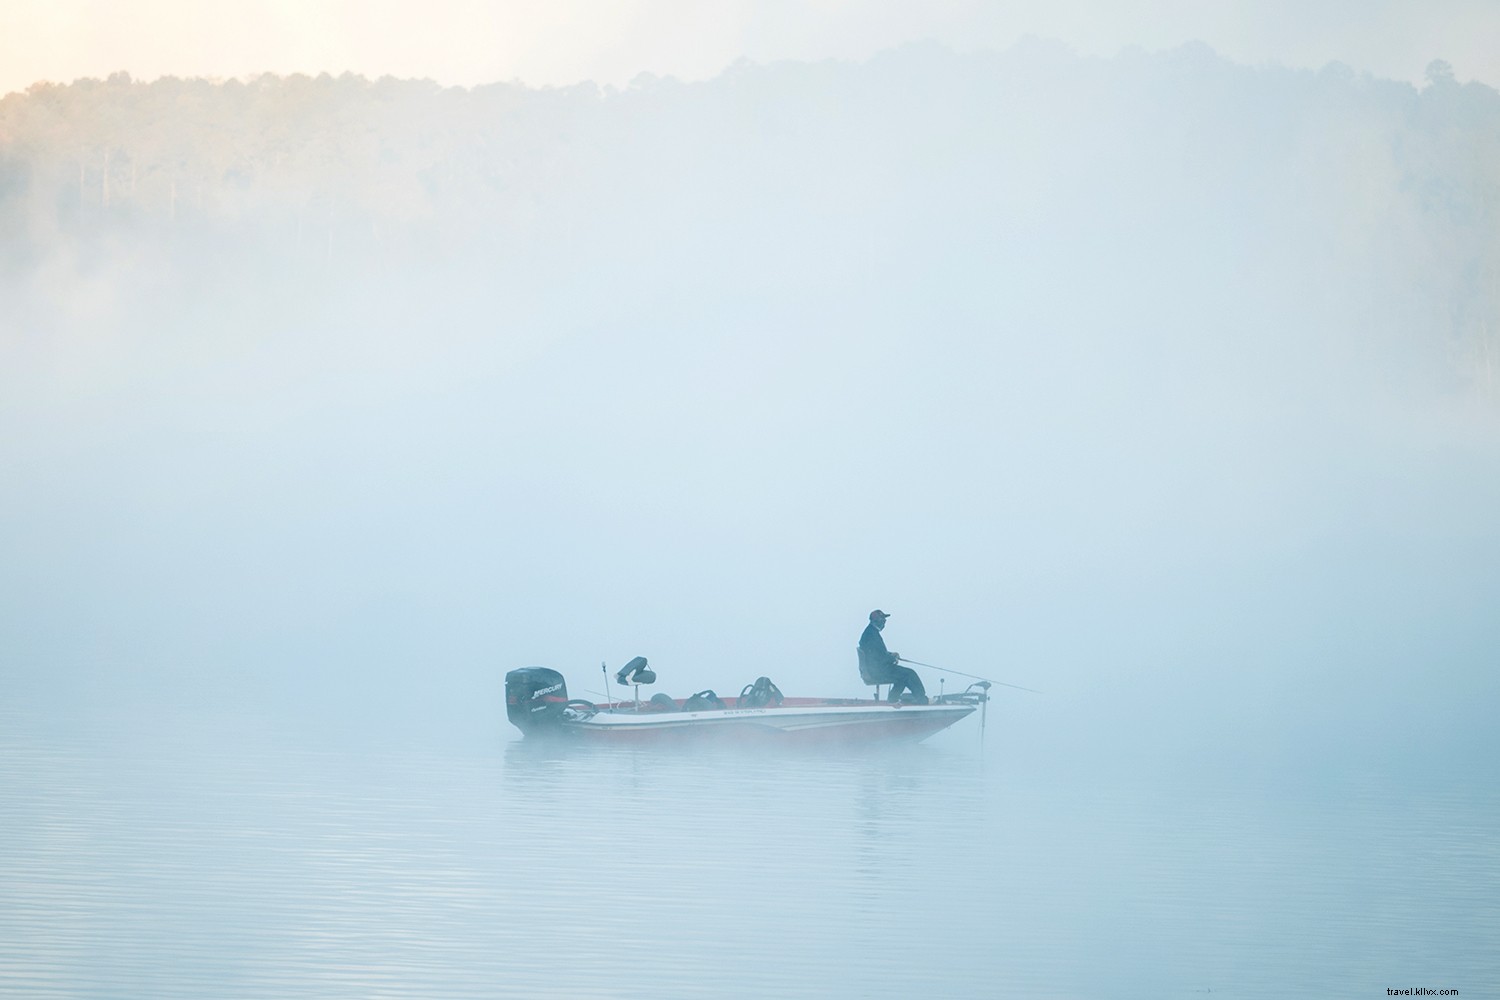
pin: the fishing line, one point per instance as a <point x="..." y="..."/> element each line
<point x="929" y="666"/>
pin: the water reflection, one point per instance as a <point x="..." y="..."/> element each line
<point x="254" y="870"/>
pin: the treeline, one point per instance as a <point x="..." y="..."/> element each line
<point x="279" y="157"/>
<point x="975" y="157"/>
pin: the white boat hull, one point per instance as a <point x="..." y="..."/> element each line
<point x="818" y="723"/>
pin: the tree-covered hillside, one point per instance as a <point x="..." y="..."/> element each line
<point x="1385" y="194"/>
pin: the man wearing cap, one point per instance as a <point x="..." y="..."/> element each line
<point x="885" y="666"/>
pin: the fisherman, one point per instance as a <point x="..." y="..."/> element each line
<point x="885" y="666"/>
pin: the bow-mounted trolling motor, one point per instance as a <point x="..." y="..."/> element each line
<point x="977" y="693"/>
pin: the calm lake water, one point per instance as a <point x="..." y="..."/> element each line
<point x="216" y="864"/>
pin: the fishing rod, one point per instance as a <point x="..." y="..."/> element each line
<point x="929" y="666"/>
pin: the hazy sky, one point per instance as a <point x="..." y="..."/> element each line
<point x="563" y="41"/>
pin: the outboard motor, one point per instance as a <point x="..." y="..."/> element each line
<point x="534" y="698"/>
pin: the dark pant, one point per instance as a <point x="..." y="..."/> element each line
<point x="905" y="677"/>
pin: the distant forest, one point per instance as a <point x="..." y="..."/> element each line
<point x="963" y="157"/>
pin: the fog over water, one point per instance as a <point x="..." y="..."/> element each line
<point x="1160" y="384"/>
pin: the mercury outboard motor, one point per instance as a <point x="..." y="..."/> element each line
<point x="534" y="698"/>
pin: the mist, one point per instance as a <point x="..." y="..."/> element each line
<point x="1158" y="383"/>
<point x="1161" y="384"/>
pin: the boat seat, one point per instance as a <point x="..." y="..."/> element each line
<point x="636" y="672"/>
<point x="703" y="701"/>
<point x="867" y="670"/>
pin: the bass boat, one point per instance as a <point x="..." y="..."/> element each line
<point x="537" y="703"/>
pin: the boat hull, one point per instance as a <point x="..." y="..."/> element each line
<point x="796" y="721"/>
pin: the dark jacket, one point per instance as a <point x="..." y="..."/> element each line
<point x="873" y="656"/>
